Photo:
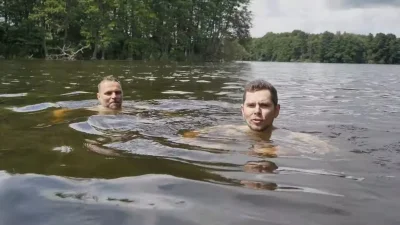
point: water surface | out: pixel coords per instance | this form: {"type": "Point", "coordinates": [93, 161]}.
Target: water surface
{"type": "Point", "coordinates": [76, 166]}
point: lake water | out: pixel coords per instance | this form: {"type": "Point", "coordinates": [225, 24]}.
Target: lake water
{"type": "Point", "coordinates": [77, 167]}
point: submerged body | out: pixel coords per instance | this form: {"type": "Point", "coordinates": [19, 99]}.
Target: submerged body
{"type": "Point", "coordinates": [110, 98]}
{"type": "Point", "coordinates": [281, 142]}
{"type": "Point", "coordinates": [59, 115]}
{"type": "Point", "coordinates": [260, 137]}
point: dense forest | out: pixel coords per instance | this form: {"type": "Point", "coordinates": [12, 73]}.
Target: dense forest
{"type": "Point", "coordinates": [123, 29]}
{"type": "Point", "coordinates": [205, 30]}
{"type": "Point", "coordinates": [298, 46]}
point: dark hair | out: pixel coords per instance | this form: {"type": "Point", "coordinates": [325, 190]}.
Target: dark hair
{"type": "Point", "coordinates": [258, 85]}
{"type": "Point", "coordinates": [108, 78]}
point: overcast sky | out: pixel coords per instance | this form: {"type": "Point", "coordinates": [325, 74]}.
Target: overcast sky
{"type": "Point", "coordinates": [316, 16]}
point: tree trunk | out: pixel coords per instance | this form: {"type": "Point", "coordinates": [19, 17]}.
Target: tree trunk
{"type": "Point", "coordinates": [96, 46]}
{"type": "Point", "coordinates": [65, 36]}
{"type": "Point", "coordinates": [103, 53]}
{"type": "Point", "coordinates": [44, 46]}
{"type": "Point", "coordinates": [94, 55]}
{"type": "Point", "coordinates": [44, 39]}
{"type": "Point", "coordinates": [66, 22]}
{"type": "Point", "coordinates": [5, 13]}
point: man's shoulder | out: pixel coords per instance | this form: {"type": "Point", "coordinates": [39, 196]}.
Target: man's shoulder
{"type": "Point", "coordinates": [60, 113]}
{"type": "Point", "coordinates": [218, 130]}
{"type": "Point", "coordinates": [320, 144]}
{"type": "Point", "coordinates": [225, 129]}
{"type": "Point", "coordinates": [101, 110]}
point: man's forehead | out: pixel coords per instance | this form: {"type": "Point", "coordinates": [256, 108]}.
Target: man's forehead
{"type": "Point", "coordinates": [106, 83]}
{"type": "Point", "coordinates": [262, 96]}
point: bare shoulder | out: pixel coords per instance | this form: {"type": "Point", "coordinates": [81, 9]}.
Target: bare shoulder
{"type": "Point", "coordinates": [62, 111]}
{"type": "Point", "coordinates": [58, 115]}
{"type": "Point", "coordinates": [220, 130]}
{"type": "Point", "coordinates": [102, 110]}
{"type": "Point", "coordinates": [306, 137]}
{"type": "Point", "coordinates": [322, 145]}
{"type": "Point", "coordinates": [96, 108]}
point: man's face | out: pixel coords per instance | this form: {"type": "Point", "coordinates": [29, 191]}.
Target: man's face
{"type": "Point", "coordinates": [110, 95]}
{"type": "Point", "coordinates": [259, 111]}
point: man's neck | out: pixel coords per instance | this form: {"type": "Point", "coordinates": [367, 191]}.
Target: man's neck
{"type": "Point", "coordinates": [265, 134]}
{"type": "Point", "coordinates": [106, 110]}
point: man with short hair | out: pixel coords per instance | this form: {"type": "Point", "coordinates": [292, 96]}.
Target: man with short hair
{"type": "Point", "coordinates": [259, 110]}
{"type": "Point", "coordinates": [260, 106]}
{"type": "Point", "coordinates": [110, 93]}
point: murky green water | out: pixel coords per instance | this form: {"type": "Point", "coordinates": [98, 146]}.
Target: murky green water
{"type": "Point", "coordinates": [76, 166]}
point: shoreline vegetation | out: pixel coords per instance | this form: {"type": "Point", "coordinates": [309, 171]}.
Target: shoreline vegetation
{"type": "Point", "coordinates": [327, 47]}
{"type": "Point", "coordinates": [165, 30]}
{"type": "Point", "coordinates": [122, 29]}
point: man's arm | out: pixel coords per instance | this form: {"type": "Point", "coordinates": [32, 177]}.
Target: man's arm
{"type": "Point", "coordinates": [59, 114]}
{"type": "Point", "coordinates": [321, 146]}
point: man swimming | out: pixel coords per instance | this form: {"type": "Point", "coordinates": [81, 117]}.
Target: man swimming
{"type": "Point", "coordinates": [259, 109]}
{"type": "Point", "coordinates": [109, 95]}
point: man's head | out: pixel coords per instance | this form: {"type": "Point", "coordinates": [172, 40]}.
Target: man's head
{"type": "Point", "coordinates": [110, 93]}
{"type": "Point", "coordinates": [260, 105]}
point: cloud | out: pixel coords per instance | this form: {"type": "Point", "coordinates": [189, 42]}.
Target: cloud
{"type": "Point", "coordinates": [317, 16]}
{"type": "Point", "coordinates": [365, 3]}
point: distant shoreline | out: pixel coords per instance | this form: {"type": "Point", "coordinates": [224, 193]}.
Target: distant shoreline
{"type": "Point", "coordinates": [188, 62]}
{"type": "Point", "coordinates": [327, 47]}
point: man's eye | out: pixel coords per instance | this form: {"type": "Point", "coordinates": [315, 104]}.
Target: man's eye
{"type": "Point", "coordinates": [264, 105]}
{"type": "Point", "coordinates": [107, 93]}
{"type": "Point", "coordinates": [251, 105]}
{"type": "Point", "coordinates": [117, 92]}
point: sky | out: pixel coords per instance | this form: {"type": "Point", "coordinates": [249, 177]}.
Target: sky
{"type": "Point", "coordinates": [317, 16]}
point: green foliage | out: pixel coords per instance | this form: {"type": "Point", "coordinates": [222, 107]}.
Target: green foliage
{"type": "Point", "coordinates": [326, 47]}
{"type": "Point", "coordinates": [125, 29]}
{"type": "Point", "coordinates": [208, 30]}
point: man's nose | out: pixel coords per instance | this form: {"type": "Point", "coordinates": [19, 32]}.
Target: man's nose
{"type": "Point", "coordinates": [257, 109]}
{"type": "Point", "coordinates": [113, 95]}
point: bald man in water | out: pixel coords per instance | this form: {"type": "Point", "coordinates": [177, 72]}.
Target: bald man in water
{"type": "Point", "coordinates": [109, 95]}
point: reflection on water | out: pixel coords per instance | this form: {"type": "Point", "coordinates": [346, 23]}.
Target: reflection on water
{"type": "Point", "coordinates": [12, 95]}
{"type": "Point", "coordinates": [178, 154]}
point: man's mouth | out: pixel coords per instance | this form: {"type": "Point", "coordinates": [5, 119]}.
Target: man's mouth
{"type": "Point", "coordinates": [114, 105]}
{"type": "Point", "coordinates": [256, 121]}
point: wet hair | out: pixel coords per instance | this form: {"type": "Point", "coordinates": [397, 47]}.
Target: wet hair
{"type": "Point", "coordinates": [107, 78]}
{"type": "Point", "coordinates": [259, 85]}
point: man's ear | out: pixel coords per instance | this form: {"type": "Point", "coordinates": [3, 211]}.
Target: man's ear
{"type": "Point", "coordinates": [277, 110]}
{"type": "Point", "coordinates": [98, 96]}
{"type": "Point", "coordinates": [242, 109]}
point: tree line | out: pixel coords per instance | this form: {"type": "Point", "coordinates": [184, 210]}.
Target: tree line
{"type": "Point", "coordinates": [206, 30]}
{"type": "Point", "coordinates": [123, 29]}
{"type": "Point", "coordinates": [327, 47]}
